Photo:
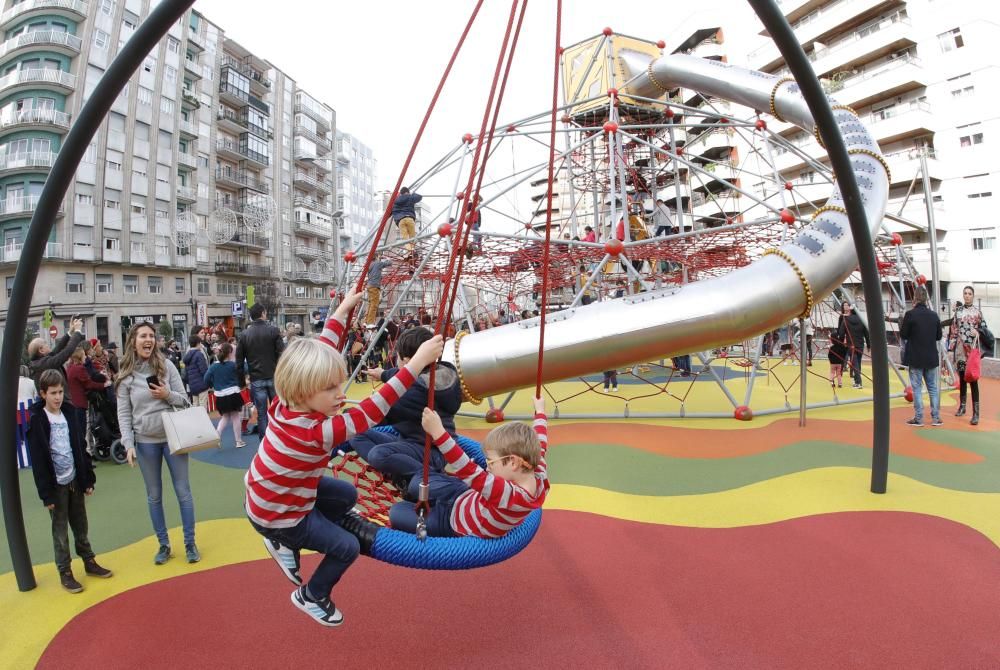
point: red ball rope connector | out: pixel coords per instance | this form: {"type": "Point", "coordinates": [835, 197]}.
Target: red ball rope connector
{"type": "Point", "coordinates": [444, 230]}
{"type": "Point", "coordinates": [333, 293]}
{"type": "Point", "coordinates": [608, 32]}
{"type": "Point", "coordinates": [566, 118]}
{"type": "Point", "coordinates": [743, 413]}
{"type": "Point", "coordinates": [669, 113]}
{"type": "Point", "coordinates": [761, 124]}
{"type": "Point", "coordinates": [788, 186]}
{"type": "Point", "coordinates": [897, 239]}
{"type": "Point", "coordinates": [610, 127]}
{"type": "Point", "coordinates": [660, 44]}
{"type": "Point", "coordinates": [494, 415]}
{"type": "Point", "coordinates": [612, 92]}
{"type": "Point", "coordinates": [512, 128]}
{"type": "Point", "coordinates": [467, 138]}
{"type": "Point", "coordinates": [787, 217]}
{"type": "Point", "coordinates": [350, 257]}
{"type": "Point", "coordinates": [614, 247]}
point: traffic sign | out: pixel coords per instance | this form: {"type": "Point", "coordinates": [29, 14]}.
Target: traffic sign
{"type": "Point", "coordinates": [53, 331]}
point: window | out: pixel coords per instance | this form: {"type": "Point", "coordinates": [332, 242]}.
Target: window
{"type": "Point", "coordinates": [144, 96]}
{"type": "Point", "coordinates": [173, 45]}
{"type": "Point", "coordinates": [114, 165]}
{"type": "Point", "coordinates": [203, 286]}
{"type": "Point", "coordinates": [155, 285]}
{"type": "Point", "coordinates": [201, 255]}
{"type": "Point", "coordinates": [227, 287]}
{"type": "Point", "coordinates": [131, 284]}
{"type": "Point", "coordinates": [963, 92]}
{"type": "Point", "coordinates": [950, 40]}
{"type": "Point", "coordinates": [111, 204]}
{"type": "Point", "coordinates": [74, 282]}
{"type": "Point", "coordinates": [984, 194]}
{"type": "Point", "coordinates": [179, 285]}
{"type": "Point", "coordinates": [85, 199]}
{"type": "Point", "coordinates": [969, 140]}
{"type": "Point", "coordinates": [10, 286]}
{"type": "Point", "coordinates": [983, 238]}
{"type": "Point", "coordinates": [138, 208]}
{"type": "Point", "coordinates": [107, 7]}
{"type": "Point", "coordinates": [112, 244]}
{"type": "Point", "coordinates": [167, 106]}
{"type": "Point", "coordinates": [101, 39]}
{"type": "Point", "coordinates": [104, 284]}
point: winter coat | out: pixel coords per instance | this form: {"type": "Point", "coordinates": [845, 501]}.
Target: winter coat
{"type": "Point", "coordinates": [39, 433]}
{"type": "Point", "coordinates": [405, 414]}
{"type": "Point", "coordinates": [405, 205]}
{"type": "Point", "coordinates": [195, 367]}
{"type": "Point", "coordinates": [63, 349]}
{"type": "Point", "coordinates": [921, 329]}
{"type": "Point", "coordinates": [259, 347]}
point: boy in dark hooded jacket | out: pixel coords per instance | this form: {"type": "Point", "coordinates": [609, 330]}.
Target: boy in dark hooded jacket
{"type": "Point", "coordinates": [400, 457]}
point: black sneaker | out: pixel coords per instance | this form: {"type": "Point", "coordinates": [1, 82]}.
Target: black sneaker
{"type": "Point", "coordinates": [324, 611]}
{"type": "Point", "coordinates": [91, 568]}
{"type": "Point", "coordinates": [286, 558]}
{"type": "Point", "coordinates": [937, 422]}
{"type": "Point", "coordinates": [914, 422]}
{"type": "Point", "coordinates": [69, 582]}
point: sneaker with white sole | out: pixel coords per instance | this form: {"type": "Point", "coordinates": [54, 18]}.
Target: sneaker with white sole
{"type": "Point", "coordinates": [937, 422]}
{"type": "Point", "coordinates": [286, 558]}
{"type": "Point", "coordinates": [324, 611]}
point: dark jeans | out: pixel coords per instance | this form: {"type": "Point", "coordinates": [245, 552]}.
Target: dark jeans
{"type": "Point", "coordinates": [319, 531]}
{"type": "Point", "coordinates": [856, 365]}
{"type": "Point", "coordinates": [963, 385]}
{"type": "Point", "coordinates": [610, 377]}
{"type": "Point", "coordinates": [682, 363]}
{"type": "Point", "coordinates": [392, 456]}
{"type": "Point", "coordinates": [261, 394]}
{"type": "Point", "coordinates": [443, 491]}
{"type": "Point", "coordinates": [70, 512]}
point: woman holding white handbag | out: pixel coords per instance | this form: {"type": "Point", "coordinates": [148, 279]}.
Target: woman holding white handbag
{"type": "Point", "coordinates": [147, 386]}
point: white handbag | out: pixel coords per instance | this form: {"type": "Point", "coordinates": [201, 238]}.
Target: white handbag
{"type": "Point", "coordinates": [189, 430]}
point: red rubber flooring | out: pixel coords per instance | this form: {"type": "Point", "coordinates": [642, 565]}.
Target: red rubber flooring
{"type": "Point", "coordinates": [831, 591]}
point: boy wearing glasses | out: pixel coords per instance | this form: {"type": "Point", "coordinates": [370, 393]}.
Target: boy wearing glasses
{"type": "Point", "coordinates": [470, 500]}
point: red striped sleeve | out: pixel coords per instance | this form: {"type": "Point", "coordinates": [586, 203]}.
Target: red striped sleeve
{"type": "Point", "coordinates": [368, 413]}
{"type": "Point", "coordinates": [333, 332]}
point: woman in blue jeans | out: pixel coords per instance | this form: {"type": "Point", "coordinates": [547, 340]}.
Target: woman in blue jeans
{"type": "Point", "coordinates": [141, 403]}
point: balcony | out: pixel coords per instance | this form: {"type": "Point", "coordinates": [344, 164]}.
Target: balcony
{"type": "Point", "coordinates": [196, 39]}
{"type": "Point", "coordinates": [248, 240]}
{"type": "Point", "coordinates": [888, 80]}
{"type": "Point", "coordinates": [904, 166]}
{"type": "Point", "coordinates": [23, 207]}
{"type": "Point", "coordinates": [192, 68]}
{"type": "Point", "coordinates": [240, 179]}
{"type": "Point", "coordinates": [84, 253]}
{"type": "Point", "coordinates": [244, 269]}
{"type": "Point", "coordinates": [35, 119]}
{"type": "Point", "coordinates": [58, 41]}
{"type": "Point", "coordinates": [316, 114]}
{"type": "Point", "coordinates": [238, 151]}
{"type": "Point", "coordinates": [186, 194]}
{"type": "Point", "coordinates": [75, 10]}
{"type": "Point", "coordinates": [714, 138]}
{"type": "Point", "coordinates": [306, 252]}
{"type": "Point", "coordinates": [58, 80]}
{"type": "Point", "coordinates": [188, 129]}
{"type": "Point", "coordinates": [310, 203]}
{"type": "Point", "coordinates": [809, 24]}
{"type": "Point", "coordinates": [189, 100]}
{"type": "Point", "coordinates": [322, 230]}
{"type": "Point", "coordinates": [305, 181]}
{"type": "Point", "coordinates": [232, 95]}
{"type": "Point", "coordinates": [258, 79]}
{"type": "Point", "coordinates": [34, 161]}
{"type": "Point", "coordinates": [187, 160]}
{"type": "Point", "coordinates": [876, 39]}
{"type": "Point", "coordinates": [323, 145]}
{"type": "Point", "coordinates": [312, 276]}
{"type": "Point", "coordinates": [901, 122]}
{"type": "Point", "coordinates": [11, 252]}
{"type": "Point", "coordinates": [185, 261]}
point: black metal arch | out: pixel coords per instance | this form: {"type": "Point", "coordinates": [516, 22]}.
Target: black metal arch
{"type": "Point", "coordinates": [127, 62]}
{"type": "Point", "coordinates": [87, 122]}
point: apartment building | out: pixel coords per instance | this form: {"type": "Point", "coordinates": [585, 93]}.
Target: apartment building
{"type": "Point", "coordinates": [921, 75]}
{"type": "Point", "coordinates": [206, 182]}
{"type": "Point", "coordinates": [356, 200]}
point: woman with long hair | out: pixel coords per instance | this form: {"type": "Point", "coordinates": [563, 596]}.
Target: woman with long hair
{"type": "Point", "coordinates": [964, 335]}
{"type": "Point", "coordinates": [148, 385]}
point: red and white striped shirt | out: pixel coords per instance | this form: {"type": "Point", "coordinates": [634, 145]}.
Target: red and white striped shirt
{"type": "Point", "coordinates": [492, 505]}
{"type": "Point", "coordinates": [282, 479]}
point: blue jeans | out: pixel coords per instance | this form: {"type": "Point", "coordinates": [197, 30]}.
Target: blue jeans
{"type": "Point", "coordinates": [319, 531]}
{"type": "Point", "coordinates": [917, 377]}
{"type": "Point", "coordinates": [151, 456]}
{"type": "Point", "coordinates": [443, 491]}
{"type": "Point", "coordinates": [392, 456]}
{"type": "Point", "coordinates": [261, 394]}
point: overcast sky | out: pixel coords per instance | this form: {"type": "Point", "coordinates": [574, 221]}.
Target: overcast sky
{"type": "Point", "coordinates": [377, 62]}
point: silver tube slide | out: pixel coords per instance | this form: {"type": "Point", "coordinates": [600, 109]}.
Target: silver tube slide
{"type": "Point", "coordinates": [703, 315]}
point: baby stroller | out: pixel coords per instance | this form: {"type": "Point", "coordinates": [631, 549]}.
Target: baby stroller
{"type": "Point", "coordinates": [103, 434]}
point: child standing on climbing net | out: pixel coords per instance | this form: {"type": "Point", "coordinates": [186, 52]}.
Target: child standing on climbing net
{"type": "Point", "coordinates": [288, 499]}
{"type": "Point", "coordinates": [483, 503]}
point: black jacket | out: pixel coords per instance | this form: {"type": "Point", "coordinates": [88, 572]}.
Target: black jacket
{"type": "Point", "coordinates": [853, 332]}
{"type": "Point", "coordinates": [259, 346]}
{"type": "Point", "coordinates": [44, 472]}
{"type": "Point", "coordinates": [63, 349]}
{"type": "Point", "coordinates": [921, 328]}
{"type": "Point", "coordinates": [405, 414]}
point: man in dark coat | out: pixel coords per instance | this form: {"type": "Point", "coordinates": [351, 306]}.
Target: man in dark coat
{"type": "Point", "coordinates": [257, 351]}
{"type": "Point", "coordinates": [41, 358]}
{"type": "Point", "coordinates": [921, 331]}
{"type": "Point", "coordinates": [854, 333]}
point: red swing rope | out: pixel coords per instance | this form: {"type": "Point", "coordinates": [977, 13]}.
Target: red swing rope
{"type": "Point", "coordinates": [413, 148]}
{"type": "Point", "coordinates": [548, 212]}
{"type": "Point", "coordinates": [422, 505]}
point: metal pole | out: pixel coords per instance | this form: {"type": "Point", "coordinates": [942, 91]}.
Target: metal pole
{"type": "Point", "coordinates": [800, 67]}
{"type": "Point", "coordinates": [931, 230]}
{"type": "Point", "coordinates": [803, 357]}
{"type": "Point", "coordinates": [60, 177]}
